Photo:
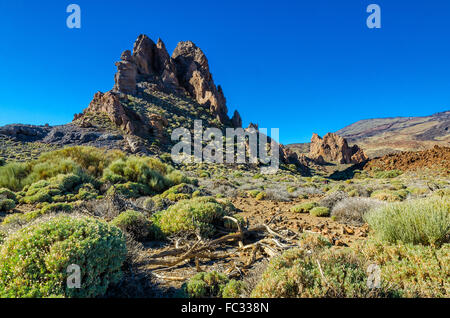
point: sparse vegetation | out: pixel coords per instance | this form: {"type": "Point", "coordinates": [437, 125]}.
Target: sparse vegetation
{"type": "Point", "coordinates": [304, 207]}
{"type": "Point", "coordinates": [352, 210]}
{"type": "Point", "coordinates": [421, 221]}
{"type": "Point", "coordinates": [298, 273]}
{"type": "Point", "coordinates": [320, 211]}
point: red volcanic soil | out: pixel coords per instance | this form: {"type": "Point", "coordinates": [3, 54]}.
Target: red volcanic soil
{"type": "Point", "coordinates": [437, 158]}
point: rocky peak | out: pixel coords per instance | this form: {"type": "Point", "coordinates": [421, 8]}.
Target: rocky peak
{"type": "Point", "coordinates": [334, 148]}
{"type": "Point", "coordinates": [194, 75]}
{"type": "Point", "coordinates": [143, 54]}
{"type": "Point", "coordinates": [187, 71]}
{"type": "Point", "coordinates": [236, 120]}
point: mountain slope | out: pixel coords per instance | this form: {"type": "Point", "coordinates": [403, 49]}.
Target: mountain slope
{"type": "Point", "coordinates": [386, 135]}
{"type": "Point", "coordinates": [154, 93]}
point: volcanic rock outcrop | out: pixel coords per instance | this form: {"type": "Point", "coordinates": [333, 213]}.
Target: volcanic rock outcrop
{"type": "Point", "coordinates": [186, 72]}
{"type": "Point", "coordinates": [236, 120]}
{"type": "Point", "coordinates": [334, 148]}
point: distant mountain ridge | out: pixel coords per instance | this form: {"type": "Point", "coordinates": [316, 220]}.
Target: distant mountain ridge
{"type": "Point", "coordinates": [381, 136]}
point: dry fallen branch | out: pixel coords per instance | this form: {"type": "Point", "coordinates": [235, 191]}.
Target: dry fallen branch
{"type": "Point", "coordinates": [196, 251]}
{"type": "Point", "coordinates": [175, 278]}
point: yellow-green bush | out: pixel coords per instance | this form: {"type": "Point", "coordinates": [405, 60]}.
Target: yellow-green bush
{"type": "Point", "coordinates": [34, 260]}
{"type": "Point", "coordinates": [200, 213]}
{"type": "Point", "coordinates": [179, 192]}
{"type": "Point", "coordinates": [47, 208]}
{"type": "Point", "coordinates": [7, 205]}
{"type": "Point", "coordinates": [389, 174]}
{"type": "Point", "coordinates": [261, 196]}
{"type": "Point", "coordinates": [63, 187]}
{"type": "Point", "coordinates": [420, 221]}
{"type": "Point", "coordinates": [304, 207]}
{"type": "Point", "coordinates": [77, 160]}
{"type": "Point", "coordinates": [320, 211]}
{"type": "Point", "coordinates": [212, 284]}
{"type": "Point", "coordinates": [143, 176]}
{"type": "Point", "coordinates": [298, 273]}
{"type": "Point", "coordinates": [414, 270]}
{"type": "Point", "coordinates": [233, 289]}
{"type": "Point", "coordinates": [134, 223]}
{"type": "Point", "coordinates": [389, 195]}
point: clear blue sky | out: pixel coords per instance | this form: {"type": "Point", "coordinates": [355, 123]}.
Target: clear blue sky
{"type": "Point", "coordinates": [301, 66]}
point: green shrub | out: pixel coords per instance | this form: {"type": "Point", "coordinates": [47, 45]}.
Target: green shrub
{"type": "Point", "coordinates": [87, 192]}
{"type": "Point", "coordinates": [133, 222]}
{"type": "Point", "coordinates": [142, 175]}
{"type": "Point", "coordinates": [7, 194]}
{"type": "Point", "coordinates": [157, 203]}
{"type": "Point", "coordinates": [130, 190]}
{"type": "Point", "coordinates": [291, 189]}
{"type": "Point", "coordinates": [2, 162]}
{"type": "Point", "coordinates": [261, 196]}
{"type": "Point", "coordinates": [414, 270]}
{"type": "Point", "coordinates": [314, 242]}
{"type": "Point", "coordinates": [326, 273]}
{"type": "Point", "coordinates": [389, 196]}
{"type": "Point", "coordinates": [20, 218]}
{"type": "Point", "coordinates": [253, 193]}
{"type": "Point", "coordinates": [204, 285]}
{"type": "Point", "coordinates": [304, 207]}
{"type": "Point", "coordinates": [387, 174]}
{"type": "Point", "coordinates": [7, 205]}
{"type": "Point", "coordinates": [12, 176]}
{"type": "Point", "coordinates": [320, 211]}
{"type": "Point", "coordinates": [233, 289]}
{"type": "Point", "coordinates": [54, 188]}
{"type": "Point", "coordinates": [80, 161]}
{"type": "Point", "coordinates": [91, 159]}
{"type": "Point", "coordinates": [179, 192]}
{"type": "Point", "coordinates": [50, 247]}
{"type": "Point", "coordinates": [420, 221]}
{"type": "Point", "coordinates": [189, 215]}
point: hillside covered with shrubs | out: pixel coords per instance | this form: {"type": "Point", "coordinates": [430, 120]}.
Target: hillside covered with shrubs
{"type": "Point", "coordinates": [138, 226]}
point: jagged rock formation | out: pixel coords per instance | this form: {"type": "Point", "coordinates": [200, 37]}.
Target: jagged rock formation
{"type": "Point", "coordinates": [236, 120]}
{"type": "Point", "coordinates": [194, 75]}
{"type": "Point", "coordinates": [154, 93]}
{"type": "Point", "coordinates": [334, 148]}
{"type": "Point", "coordinates": [187, 71]}
{"type": "Point", "coordinates": [125, 77]}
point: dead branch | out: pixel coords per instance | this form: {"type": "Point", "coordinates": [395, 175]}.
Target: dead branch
{"type": "Point", "coordinates": [241, 241]}
{"type": "Point", "coordinates": [175, 278]}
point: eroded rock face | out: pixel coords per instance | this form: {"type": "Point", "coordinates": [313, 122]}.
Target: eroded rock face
{"type": "Point", "coordinates": [187, 71]}
{"type": "Point", "coordinates": [334, 148]}
{"type": "Point", "coordinates": [109, 103]}
{"type": "Point", "coordinates": [236, 120]}
{"type": "Point", "coordinates": [194, 75]}
{"type": "Point", "coordinates": [143, 54]}
{"type": "Point", "coordinates": [127, 119]}
{"type": "Point", "coordinates": [125, 78]}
